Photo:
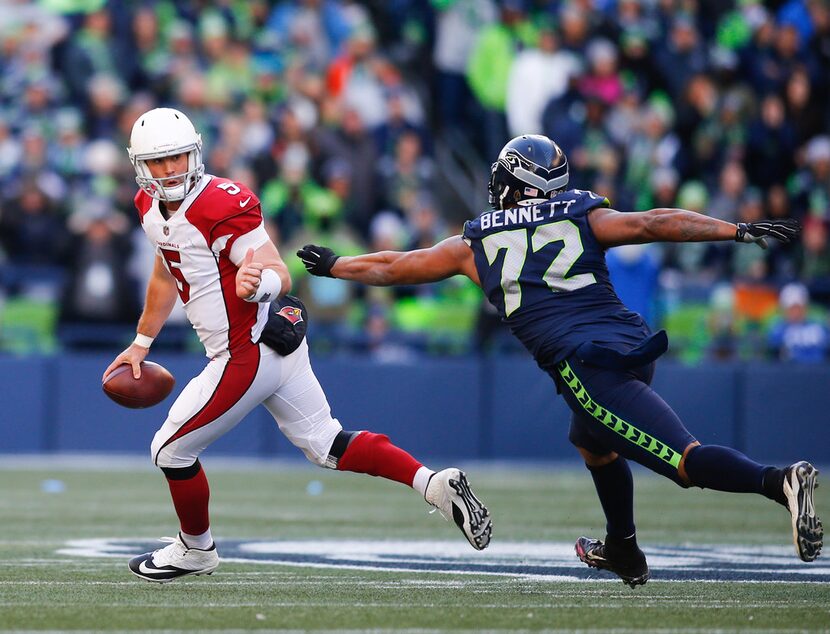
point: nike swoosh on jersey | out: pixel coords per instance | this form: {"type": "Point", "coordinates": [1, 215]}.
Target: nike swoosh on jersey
{"type": "Point", "coordinates": [242, 203]}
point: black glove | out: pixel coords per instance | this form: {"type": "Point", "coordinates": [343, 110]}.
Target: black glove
{"type": "Point", "coordinates": [757, 232]}
{"type": "Point", "coordinates": [317, 260]}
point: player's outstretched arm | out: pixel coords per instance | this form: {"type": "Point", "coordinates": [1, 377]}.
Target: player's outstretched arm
{"type": "Point", "coordinates": [158, 302]}
{"type": "Point", "coordinates": [613, 228]}
{"type": "Point", "coordinates": [386, 268]}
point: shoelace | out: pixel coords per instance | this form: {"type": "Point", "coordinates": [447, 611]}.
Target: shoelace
{"type": "Point", "coordinates": [176, 549]}
{"type": "Point", "coordinates": [440, 512]}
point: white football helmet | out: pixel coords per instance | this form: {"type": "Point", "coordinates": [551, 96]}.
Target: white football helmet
{"type": "Point", "coordinates": [166, 132]}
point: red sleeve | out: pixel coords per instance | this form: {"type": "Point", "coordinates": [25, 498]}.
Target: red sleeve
{"type": "Point", "coordinates": [245, 217]}
{"type": "Point", "coordinates": [224, 211]}
{"type": "Point", "coordinates": [143, 202]}
{"type": "Point", "coordinates": [237, 226]}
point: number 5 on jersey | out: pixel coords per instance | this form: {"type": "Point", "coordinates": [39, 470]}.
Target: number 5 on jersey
{"type": "Point", "coordinates": [233, 190]}
{"type": "Point", "coordinates": [174, 264]}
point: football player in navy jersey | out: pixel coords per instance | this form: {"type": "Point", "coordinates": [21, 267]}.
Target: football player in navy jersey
{"type": "Point", "coordinates": [539, 256]}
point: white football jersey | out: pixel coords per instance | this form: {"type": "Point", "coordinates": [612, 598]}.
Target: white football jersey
{"type": "Point", "coordinates": [202, 244]}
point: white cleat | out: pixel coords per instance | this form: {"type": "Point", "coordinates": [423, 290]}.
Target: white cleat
{"type": "Point", "coordinates": [450, 493]}
{"type": "Point", "coordinates": [808, 535]}
{"type": "Point", "coordinates": [173, 561]}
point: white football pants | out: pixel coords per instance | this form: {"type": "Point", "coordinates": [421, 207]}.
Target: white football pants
{"type": "Point", "coordinates": [229, 387]}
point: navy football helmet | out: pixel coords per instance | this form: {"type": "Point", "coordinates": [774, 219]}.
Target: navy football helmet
{"type": "Point", "coordinates": [529, 167]}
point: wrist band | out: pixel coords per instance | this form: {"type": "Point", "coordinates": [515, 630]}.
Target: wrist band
{"type": "Point", "coordinates": [269, 287]}
{"type": "Point", "coordinates": [143, 340]}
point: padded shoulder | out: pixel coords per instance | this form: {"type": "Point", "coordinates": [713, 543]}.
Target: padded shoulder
{"type": "Point", "coordinates": [143, 202]}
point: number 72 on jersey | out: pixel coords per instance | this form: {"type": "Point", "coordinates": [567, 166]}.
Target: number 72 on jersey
{"type": "Point", "coordinates": [515, 243]}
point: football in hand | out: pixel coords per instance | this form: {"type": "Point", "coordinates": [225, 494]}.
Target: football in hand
{"type": "Point", "coordinates": [150, 389]}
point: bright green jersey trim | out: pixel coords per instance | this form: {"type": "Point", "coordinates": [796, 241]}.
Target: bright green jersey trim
{"type": "Point", "coordinates": [615, 423]}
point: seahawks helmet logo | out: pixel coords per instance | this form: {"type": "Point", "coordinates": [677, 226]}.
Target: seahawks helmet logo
{"type": "Point", "coordinates": [527, 163]}
{"type": "Point", "coordinates": [534, 174]}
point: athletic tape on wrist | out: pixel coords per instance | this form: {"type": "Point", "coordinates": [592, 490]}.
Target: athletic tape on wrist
{"type": "Point", "coordinates": [269, 287]}
{"type": "Point", "coordinates": [143, 340]}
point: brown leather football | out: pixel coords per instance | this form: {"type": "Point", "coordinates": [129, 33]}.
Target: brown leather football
{"type": "Point", "coordinates": [150, 389]}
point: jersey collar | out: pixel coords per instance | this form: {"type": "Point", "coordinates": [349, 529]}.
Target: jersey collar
{"type": "Point", "coordinates": [188, 201]}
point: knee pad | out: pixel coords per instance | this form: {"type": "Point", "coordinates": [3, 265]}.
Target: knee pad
{"type": "Point", "coordinates": [317, 439]}
{"type": "Point", "coordinates": [169, 456]}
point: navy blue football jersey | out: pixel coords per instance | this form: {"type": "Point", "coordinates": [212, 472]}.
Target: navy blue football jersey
{"type": "Point", "coordinates": [543, 269]}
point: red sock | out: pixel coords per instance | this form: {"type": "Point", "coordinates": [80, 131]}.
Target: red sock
{"type": "Point", "coordinates": [191, 497]}
{"type": "Point", "coordinates": [374, 454]}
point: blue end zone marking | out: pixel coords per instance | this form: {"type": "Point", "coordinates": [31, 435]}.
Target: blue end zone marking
{"type": "Point", "coordinates": [539, 561]}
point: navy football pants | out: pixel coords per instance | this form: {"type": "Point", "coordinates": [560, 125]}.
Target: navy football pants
{"type": "Point", "coordinates": [616, 410]}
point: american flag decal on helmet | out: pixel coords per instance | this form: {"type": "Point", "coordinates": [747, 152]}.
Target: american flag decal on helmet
{"type": "Point", "coordinates": [291, 313]}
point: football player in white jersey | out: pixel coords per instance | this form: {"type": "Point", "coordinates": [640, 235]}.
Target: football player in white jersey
{"type": "Point", "coordinates": [212, 251]}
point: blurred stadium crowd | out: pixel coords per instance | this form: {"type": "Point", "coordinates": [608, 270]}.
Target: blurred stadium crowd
{"type": "Point", "coordinates": [371, 125]}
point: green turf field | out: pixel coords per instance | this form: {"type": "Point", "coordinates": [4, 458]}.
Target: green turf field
{"type": "Point", "coordinates": [306, 549]}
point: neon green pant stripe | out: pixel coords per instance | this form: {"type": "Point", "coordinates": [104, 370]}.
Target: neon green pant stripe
{"type": "Point", "coordinates": [615, 423]}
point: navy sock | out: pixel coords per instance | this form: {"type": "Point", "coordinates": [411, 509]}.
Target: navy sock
{"type": "Point", "coordinates": [615, 488]}
{"type": "Point", "coordinates": [724, 469]}
{"type": "Point", "coordinates": [774, 485]}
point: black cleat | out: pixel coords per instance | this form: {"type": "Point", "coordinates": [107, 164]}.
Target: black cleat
{"type": "Point", "coordinates": [800, 480]}
{"type": "Point", "coordinates": [630, 566]}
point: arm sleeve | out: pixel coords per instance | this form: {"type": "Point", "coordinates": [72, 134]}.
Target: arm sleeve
{"type": "Point", "coordinates": [251, 240]}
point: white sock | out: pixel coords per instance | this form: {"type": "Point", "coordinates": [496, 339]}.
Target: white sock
{"type": "Point", "coordinates": [421, 479]}
{"type": "Point", "coordinates": [202, 542]}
